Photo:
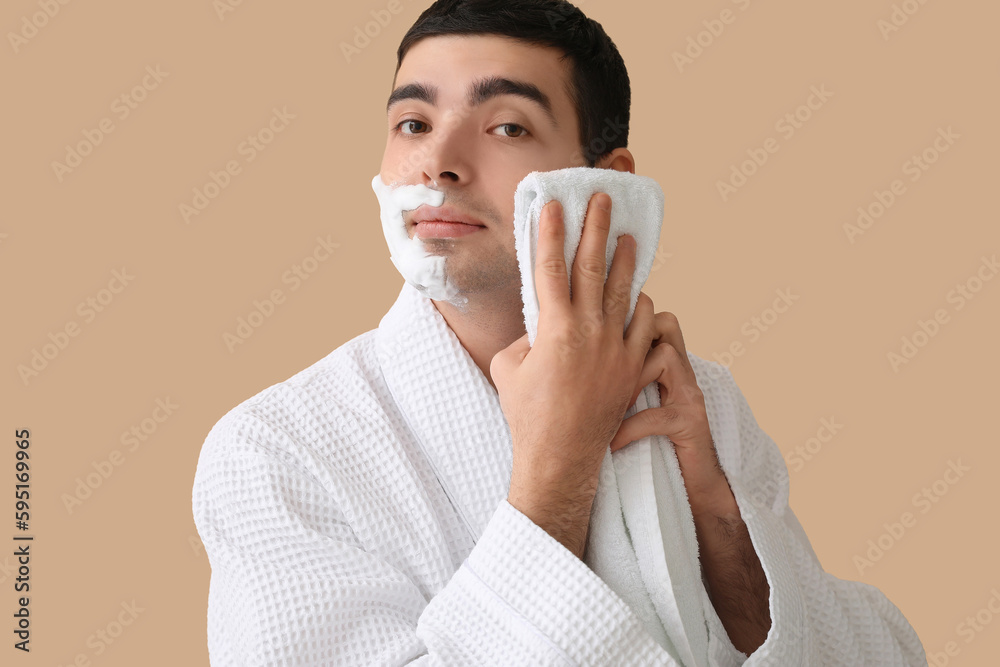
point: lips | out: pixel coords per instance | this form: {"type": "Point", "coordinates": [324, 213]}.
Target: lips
{"type": "Point", "coordinates": [444, 214]}
{"type": "Point", "coordinates": [444, 229]}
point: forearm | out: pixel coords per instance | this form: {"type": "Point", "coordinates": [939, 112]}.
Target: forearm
{"type": "Point", "coordinates": [560, 509]}
{"type": "Point", "coordinates": [737, 585]}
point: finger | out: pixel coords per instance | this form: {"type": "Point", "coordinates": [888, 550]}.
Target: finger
{"type": "Point", "coordinates": [669, 331]}
{"type": "Point", "coordinates": [641, 424]}
{"type": "Point", "coordinates": [664, 366]}
{"type": "Point", "coordinates": [551, 279]}
{"type": "Point", "coordinates": [642, 328]}
{"type": "Point", "coordinates": [590, 264]}
{"type": "Point", "coordinates": [618, 290]}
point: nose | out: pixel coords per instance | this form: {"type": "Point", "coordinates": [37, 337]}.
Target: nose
{"type": "Point", "coordinates": [446, 154]}
{"type": "Point", "coordinates": [446, 176]}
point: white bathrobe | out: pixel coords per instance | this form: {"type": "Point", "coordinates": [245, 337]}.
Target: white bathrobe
{"type": "Point", "coordinates": [356, 514]}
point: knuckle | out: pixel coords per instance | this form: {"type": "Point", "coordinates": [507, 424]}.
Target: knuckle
{"type": "Point", "coordinates": [647, 333]}
{"type": "Point", "coordinates": [553, 266]}
{"type": "Point", "coordinates": [570, 336]}
{"type": "Point", "coordinates": [565, 344]}
{"type": "Point", "coordinates": [663, 355]}
{"type": "Point", "coordinates": [592, 267]}
{"type": "Point", "coordinates": [562, 332]}
{"type": "Point", "coordinates": [589, 327]}
{"type": "Point", "coordinates": [668, 318]}
{"type": "Point", "coordinates": [670, 353]}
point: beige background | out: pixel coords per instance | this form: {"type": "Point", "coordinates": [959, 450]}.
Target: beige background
{"type": "Point", "coordinates": [133, 538]}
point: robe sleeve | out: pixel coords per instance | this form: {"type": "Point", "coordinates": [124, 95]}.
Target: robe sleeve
{"type": "Point", "coordinates": [817, 619]}
{"type": "Point", "coordinates": [291, 585]}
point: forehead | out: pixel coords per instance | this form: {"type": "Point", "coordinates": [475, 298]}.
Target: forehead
{"type": "Point", "coordinates": [452, 63]}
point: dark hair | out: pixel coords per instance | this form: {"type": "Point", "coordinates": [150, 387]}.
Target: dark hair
{"type": "Point", "coordinates": [599, 85]}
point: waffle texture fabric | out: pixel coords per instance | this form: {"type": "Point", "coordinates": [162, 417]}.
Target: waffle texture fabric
{"type": "Point", "coordinates": [356, 514]}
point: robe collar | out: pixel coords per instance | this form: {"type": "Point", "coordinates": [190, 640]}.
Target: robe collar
{"type": "Point", "coordinates": [455, 416]}
{"type": "Point", "coordinates": [449, 405]}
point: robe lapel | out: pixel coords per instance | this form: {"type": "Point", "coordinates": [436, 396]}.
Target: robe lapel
{"type": "Point", "coordinates": [449, 405]}
{"type": "Point", "coordinates": [454, 414]}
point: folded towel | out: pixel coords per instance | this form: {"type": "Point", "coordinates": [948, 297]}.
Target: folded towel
{"type": "Point", "coordinates": [637, 209]}
{"type": "Point", "coordinates": [642, 540]}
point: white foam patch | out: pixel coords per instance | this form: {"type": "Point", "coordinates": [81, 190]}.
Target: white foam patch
{"type": "Point", "coordinates": [423, 270]}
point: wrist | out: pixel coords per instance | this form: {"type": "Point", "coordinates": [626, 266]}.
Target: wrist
{"type": "Point", "coordinates": [562, 512]}
{"type": "Point", "coordinates": [715, 507]}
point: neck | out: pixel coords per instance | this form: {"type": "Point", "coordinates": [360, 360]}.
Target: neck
{"type": "Point", "coordinates": [487, 324]}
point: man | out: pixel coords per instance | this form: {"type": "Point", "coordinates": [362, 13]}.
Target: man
{"type": "Point", "coordinates": [423, 493]}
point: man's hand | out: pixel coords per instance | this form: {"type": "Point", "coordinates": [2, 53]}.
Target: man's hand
{"type": "Point", "coordinates": [737, 584]}
{"type": "Point", "coordinates": [681, 416]}
{"type": "Point", "coordinates": [564, 398]}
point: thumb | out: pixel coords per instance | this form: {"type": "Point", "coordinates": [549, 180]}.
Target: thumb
{"type": "Point", "coordinates": [509, 357]}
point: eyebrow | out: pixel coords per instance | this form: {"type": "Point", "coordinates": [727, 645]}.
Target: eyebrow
{"type": "Point", "coordinates": [480, 91]}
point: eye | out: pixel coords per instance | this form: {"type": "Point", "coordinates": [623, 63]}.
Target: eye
{"type": "Point", "coordinates": [503, 126]}
{"type": "Point", "coordinates": [508, 136]}
{"type": "Point", "coordinates": [405, 122]}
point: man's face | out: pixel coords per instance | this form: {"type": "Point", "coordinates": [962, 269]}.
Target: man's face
{"type": "Point", "coordinates": [477, 151]}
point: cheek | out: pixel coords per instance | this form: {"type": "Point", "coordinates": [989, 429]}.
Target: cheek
{"type": "Point", "coordinates": [504, 197]}
{"type": "Point", "coordinates": [396, 165]}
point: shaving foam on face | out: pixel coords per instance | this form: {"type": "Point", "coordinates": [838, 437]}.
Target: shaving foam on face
{"type": "Point", "coordinates": [421, 269]}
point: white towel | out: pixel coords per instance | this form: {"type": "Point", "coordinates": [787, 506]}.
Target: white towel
{"type": "Point", "coordinates": [642, 540]}
{"type": "Point", "coordinates": [637, 209]}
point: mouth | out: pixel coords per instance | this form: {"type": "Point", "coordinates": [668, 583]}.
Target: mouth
{"type": "Point", "coordinates": [444, 222]}
{"type": "Point", "coordinates": [444, 229]}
